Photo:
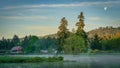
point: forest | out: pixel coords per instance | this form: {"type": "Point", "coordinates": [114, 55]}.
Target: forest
{"type": "Point", "coordinates": [101, 40]}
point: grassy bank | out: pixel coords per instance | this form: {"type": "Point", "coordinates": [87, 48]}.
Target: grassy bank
{"type": "Point", "coordinates": [7, 59]}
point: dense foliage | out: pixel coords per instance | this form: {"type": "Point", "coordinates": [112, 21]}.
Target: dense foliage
{"type": "Point", "coordinates": [62, 34]}
{"type": "Point", "coordinates": [74, 45]}
{"type": "Point", "coordinates": [111, 44]}
{"type": "Point", "coordinates": [95, 43]}
{"type": "Point", "coordinates": [76, 42]}
{"type": "Point", "coordinates": [30, 44]}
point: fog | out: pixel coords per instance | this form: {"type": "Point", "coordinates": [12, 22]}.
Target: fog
{"type": "Point", "coordinates": [71, 61]}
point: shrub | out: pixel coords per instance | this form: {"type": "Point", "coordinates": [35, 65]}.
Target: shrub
{"type": "Point", "coordinates": [29, 59]}
{"type": "Point", "coordinates": [95, 51]}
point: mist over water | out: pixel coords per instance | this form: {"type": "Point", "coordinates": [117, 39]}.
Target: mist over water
{"type": "Point", "coordinates": [71, 61]}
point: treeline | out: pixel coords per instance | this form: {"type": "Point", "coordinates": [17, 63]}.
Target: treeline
{"type": "Point", "coordinates": [29, 44]}
{"type": "Point", "coordinates": [105, 39]}
{"type": "Point", "coordinates": [107, 32]}
{"type": "Point", "coordinates": [105, 45]}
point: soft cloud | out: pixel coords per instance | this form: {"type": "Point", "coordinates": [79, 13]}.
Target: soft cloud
{"type": "Point", "coordinates": [80, 4]}
{"type": "Point", "coordinates": [27, 17]}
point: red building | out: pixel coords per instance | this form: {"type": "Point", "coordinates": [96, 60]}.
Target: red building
{"type": "Point", "coordinates": [16, 49]}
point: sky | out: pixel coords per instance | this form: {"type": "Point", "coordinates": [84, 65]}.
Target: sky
{"type": "Point", "coordinates": [42, 17]}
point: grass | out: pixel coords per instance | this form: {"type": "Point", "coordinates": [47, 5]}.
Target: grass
{"type": "Point", "coordinates": [9, 59]}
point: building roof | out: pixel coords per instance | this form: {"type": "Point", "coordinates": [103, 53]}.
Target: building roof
{"type": "Point", "coordinates": [17, 48]}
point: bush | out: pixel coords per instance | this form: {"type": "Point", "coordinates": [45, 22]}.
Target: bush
{"type": "Point", "coordinates": [29, 59]}
{"type": "Point", "coordinates": [95, 51]}
{"type": "Point", "coordinates": [53, 59]}
{"type": "Point", "coordinates": [60, 58]}
{"type": "Point", "coordinates": [75, 44]}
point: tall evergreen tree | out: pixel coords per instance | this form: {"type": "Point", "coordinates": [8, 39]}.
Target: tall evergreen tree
{"type": "Point", "coordinates": [96, 43]}
{"type": "Point", "coordinates": [62, 34]}
{"type": "Point", "coordinates": [25, 41]}
{"type": "Point", "coordinates": [15, 40]}
{"type": "Point", "coordinates": [4, 43]}
{"type": "Point", "coordinates": [80, 29]}
{"type": "Point", "coordinates": [80, 26]}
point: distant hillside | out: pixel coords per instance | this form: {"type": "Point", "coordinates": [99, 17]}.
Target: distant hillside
{"type": "Point", "coordinates": [50, 35]}
{"type": "Point", "coordinates": [102, 32]}
{"type": "Point", "coordinates": [105, 32]}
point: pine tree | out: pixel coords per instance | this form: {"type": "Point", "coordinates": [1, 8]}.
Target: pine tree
{"type": "Point", "coordinates": [4, 43]}
{"type": "Point", "coordinates": [62, 34]}
{"type": "Point", "coordinates": [96, 43]}
{"type": "Point", "coordinates": [80, 29]}
{"type": "Point", "coordinates": [80, 26]}
{"type": "Point", "coordinates": [15, 40]}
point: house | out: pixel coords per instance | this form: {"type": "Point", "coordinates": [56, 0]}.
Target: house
{"type": "Point", "coordinates": [16, 49]}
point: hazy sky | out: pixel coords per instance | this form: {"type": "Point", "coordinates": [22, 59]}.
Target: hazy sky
{"type": "Point", "coordinates": [42, 17]}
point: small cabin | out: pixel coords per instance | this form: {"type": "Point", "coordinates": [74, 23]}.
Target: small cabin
{"type": "Point", "coordinates": [16, 49]}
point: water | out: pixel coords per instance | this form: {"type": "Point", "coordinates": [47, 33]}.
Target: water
{"type": "Point", "coordinates": [71, 61]}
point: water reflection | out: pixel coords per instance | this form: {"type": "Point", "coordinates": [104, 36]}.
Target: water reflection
{"type": "Point", "coordinates": [59, 65]}
{"type": "Point", "coordinates": [92, 61]}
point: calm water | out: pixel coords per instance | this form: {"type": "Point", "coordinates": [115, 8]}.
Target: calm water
{"type": "Point", "coordinates": [78, 61]}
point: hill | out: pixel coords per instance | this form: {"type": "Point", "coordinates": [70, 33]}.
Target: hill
{"type": "Point", "coordinates": [49, 36]}
{"type": "Point", "coordinates": [105, 32]}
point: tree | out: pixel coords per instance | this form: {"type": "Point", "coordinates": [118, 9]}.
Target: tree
{"type": "Point", "coordinates": [4, 43]}
{"type": "Point", "coordinates": [74, 45]}
{"type": "Point", "coordinates": [31, 44]}
{"type": "Point", "coordinates": [80, 29]}
{"type": "Point", "coordinates": [96, 43]}
{"type": "Point", "coordinates": [80, 26]}
{"type": "Point", "coordinates": [62, 34]}
{"type": "Point", "coordinates": [25, 43]}
{"type": "Point", "coordinates": [15, 40]}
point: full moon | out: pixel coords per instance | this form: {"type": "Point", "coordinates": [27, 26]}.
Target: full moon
{"type": "Point", "coordinates": [105, 8]}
